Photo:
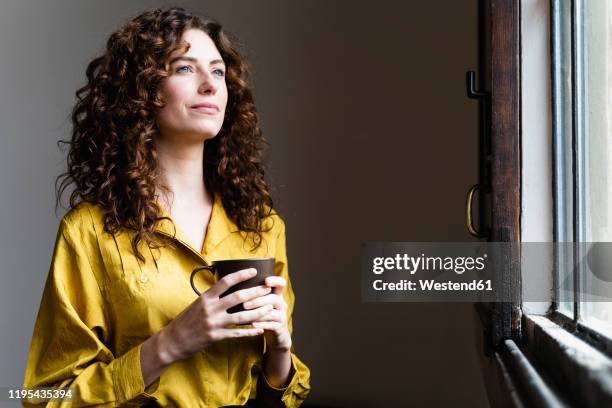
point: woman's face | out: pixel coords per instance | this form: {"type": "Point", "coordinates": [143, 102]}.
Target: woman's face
{"type": "Point", "coordinates": [195, 92]}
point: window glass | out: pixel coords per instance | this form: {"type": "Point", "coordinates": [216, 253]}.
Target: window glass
{"type": "Point", "coordinates": [594, 191]}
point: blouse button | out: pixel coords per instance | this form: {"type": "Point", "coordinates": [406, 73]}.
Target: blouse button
{"type": "Point", "coordinates": [144, 278]}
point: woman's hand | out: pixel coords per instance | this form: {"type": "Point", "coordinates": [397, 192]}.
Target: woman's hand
{"type": "Point", "coordinates": [205, 321]}
{"type": "Point", "coordinates": [274, 322]}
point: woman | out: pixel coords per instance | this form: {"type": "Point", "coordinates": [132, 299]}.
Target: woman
{"type": "Point", "coordinates": [165, 162]}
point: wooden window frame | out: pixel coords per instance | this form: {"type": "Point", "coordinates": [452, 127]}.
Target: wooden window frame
{"type": "Point", "coordinates": [527, 360]}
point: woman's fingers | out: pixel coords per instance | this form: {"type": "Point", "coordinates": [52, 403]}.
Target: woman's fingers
{"type": "Point", "coordinates": [242, 296]}
{"type": "Point", "coordinates": [247, 316]}
{"type": "Point", "coordinates": [277, 283]}
{"type": "Point", "coordinates": [272, 299]}
{"type": "Point", "coordinates": [276, 316]}
{"type": "Point", "coordinates": [230, 280]}
{"type": "Point", "coordinates": [267, 325]}
{"type": "Point", "coordinates": [235, 333]}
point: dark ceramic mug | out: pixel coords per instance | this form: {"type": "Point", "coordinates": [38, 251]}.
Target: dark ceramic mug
{"type": "Point", "coordinates": [264, 267]}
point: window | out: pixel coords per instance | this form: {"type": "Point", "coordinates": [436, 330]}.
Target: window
{"type": "Point", "coordinates": [582, 64]}
{"type": "Point", "coordinates": [555, 352]}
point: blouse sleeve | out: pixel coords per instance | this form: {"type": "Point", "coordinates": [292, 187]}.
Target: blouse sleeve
{"type": "Point", "coordinates": [294, 394]}
{"type": "Point", "coordinates": [68, 347]}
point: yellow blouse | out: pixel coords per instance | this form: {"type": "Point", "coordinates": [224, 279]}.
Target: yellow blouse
{"type": "Point", "coordinates": [100, 303]}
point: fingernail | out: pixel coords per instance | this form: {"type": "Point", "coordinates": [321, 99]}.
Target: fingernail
{"type": "Point", "coordinates": [252, 271]}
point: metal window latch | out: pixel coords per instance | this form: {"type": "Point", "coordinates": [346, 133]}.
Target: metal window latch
{"type": "Point", "coordinates": [470, 84]}
{"type": "Point", "coordinates": [472, 93]}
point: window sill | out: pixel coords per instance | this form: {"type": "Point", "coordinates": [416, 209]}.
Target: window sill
{"type": "Point", "coordinates": [578, 368]}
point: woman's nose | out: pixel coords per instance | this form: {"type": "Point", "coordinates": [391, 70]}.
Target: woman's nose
{"type": "Point", "coordinates": [207, 85]}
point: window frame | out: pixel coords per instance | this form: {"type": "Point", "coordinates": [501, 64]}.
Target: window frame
{"type": "Point", "coordinates": [577, 212]}
{"type": "Point", "coordinates": [501, 21]}
{"type": "Point", "coordinates": [529, 358]}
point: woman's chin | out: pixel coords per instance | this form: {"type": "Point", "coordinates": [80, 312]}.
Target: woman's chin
{"type": "Point", "coordinates": [205, 133]}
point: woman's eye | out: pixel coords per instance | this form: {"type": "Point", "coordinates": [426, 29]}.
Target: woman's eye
{"type": "Point", "coordinates": [179, 69]}
{"type": "Point", "coordinates": [219, 72]}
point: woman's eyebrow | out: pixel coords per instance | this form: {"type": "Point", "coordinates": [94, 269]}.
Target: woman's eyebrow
{"type": "Point", "coordinates": [195, 60]}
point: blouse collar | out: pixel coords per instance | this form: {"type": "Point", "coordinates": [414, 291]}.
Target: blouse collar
{"type": "Point", "coordinates": [219, 227]}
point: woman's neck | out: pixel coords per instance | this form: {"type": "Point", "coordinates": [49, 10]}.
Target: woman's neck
{"type": "Point", "coordinates": [183, 173]}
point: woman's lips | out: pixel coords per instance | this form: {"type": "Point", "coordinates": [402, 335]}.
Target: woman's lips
{"type": "Point", "coordinates": [208, 109]}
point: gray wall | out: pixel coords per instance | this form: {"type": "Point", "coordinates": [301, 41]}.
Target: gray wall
{"type": "Point", "coordinates": [372, 138]}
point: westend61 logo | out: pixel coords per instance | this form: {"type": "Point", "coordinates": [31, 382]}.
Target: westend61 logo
{"type": "Point", "coordinates": [412, 264]}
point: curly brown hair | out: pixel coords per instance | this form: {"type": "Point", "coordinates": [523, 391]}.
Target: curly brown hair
{"type": "Point", "coordinates": [112, 159]}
